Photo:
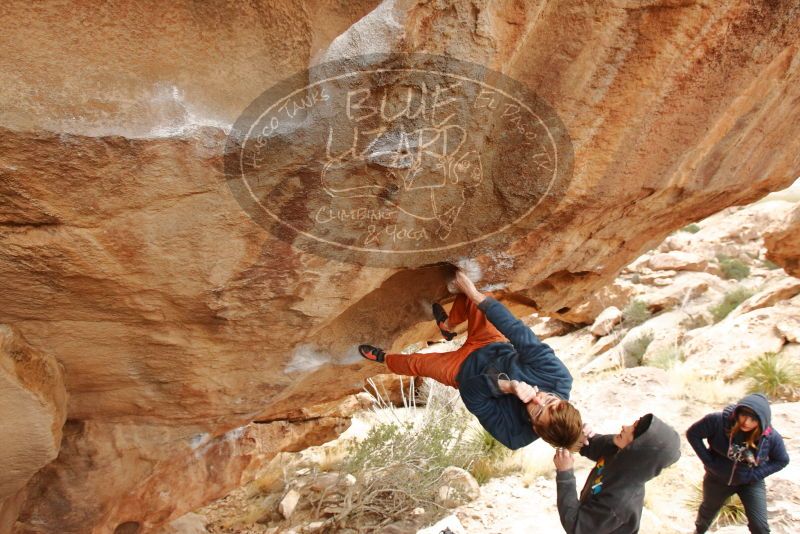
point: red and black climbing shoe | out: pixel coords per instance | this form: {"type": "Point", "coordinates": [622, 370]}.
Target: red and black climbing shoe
{"type": "Point", "coordinates": [372, 353]}
{"type": "Point", "coordinates": [441, 317]}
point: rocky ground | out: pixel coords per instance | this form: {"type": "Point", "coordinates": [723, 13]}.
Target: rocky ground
{"type": "Point", "coordinates": [653, 341]}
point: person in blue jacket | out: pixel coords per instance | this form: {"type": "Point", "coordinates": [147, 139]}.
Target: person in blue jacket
{"type": "Point", "coordinates": [511, 381]}
{"type": "Point", "coordinates": [739, 449]}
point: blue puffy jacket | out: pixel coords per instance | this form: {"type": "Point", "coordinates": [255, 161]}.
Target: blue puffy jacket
{"type": "Point", "coordinates": [715, 428]}
{"type": "Point", "coordinates": [526, 359]}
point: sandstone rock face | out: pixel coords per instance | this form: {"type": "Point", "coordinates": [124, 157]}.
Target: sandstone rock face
{"type": "Point", "coordinates": [783, 243]}
{"type": "Point", "coordinates": [178, 320]}
{"type": "Point", "coordinates": [33, 409]}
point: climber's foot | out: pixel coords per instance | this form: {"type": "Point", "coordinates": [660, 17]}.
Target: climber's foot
{"type": "Point", "coordinates": [441, 321]}
{"type": "Point", "coordinates": [372, 353]}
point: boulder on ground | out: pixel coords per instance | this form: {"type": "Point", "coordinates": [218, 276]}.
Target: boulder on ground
{"type": "Point", "coordinates": [190, 523]}
{"type": "Point", "coordinates": [458, 487]}
{"type": "Point", "coordinates": [677, 261]}
{"type": "Point", "coordinates": [783, 242]}
{"type": "Point", "coordinates": [547, 327]}
{"type": "Point", "coordinates": [725, 348]}
{"type": "Point", "coordinates": [781, 289]}
{"type": "Point", "coordinates": [288, 504]}
{"type": "Point", "coordinates": [684, 287]}
{"type": "Point", "coordinates": [606, 321]}
{"type": "Point", "coordinates": [616, 294]}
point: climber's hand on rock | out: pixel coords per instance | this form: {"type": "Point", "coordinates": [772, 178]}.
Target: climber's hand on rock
{"type": "Point", "coordinates": [463, 284]}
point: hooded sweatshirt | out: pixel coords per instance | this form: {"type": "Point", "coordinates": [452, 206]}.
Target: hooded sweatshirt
{"type": "Point", "coordinates": [613, 496]}
{"type": "Point", "coordinates": [723, 457]}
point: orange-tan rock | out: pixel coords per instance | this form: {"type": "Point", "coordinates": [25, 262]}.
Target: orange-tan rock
{"type": "Point", "coordinates": [783, 243]}
{"type": "Point", "coordinates": [33, 409]}
{"type": "Point", "coordinates": [124, 255]}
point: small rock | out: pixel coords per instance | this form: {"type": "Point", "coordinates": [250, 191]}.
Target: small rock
{"type": "Point", "coordinates": [546, 327]}
{"type": "Point", "coordinates": [606, 321]}
{"type": "Point", "coordinates": [325, 481]}
{"type": "Point", "coordinates": [316, 526]}
{"type": "Point", "coordinates": [190, 523]}
{"type": "Point", "coordinates": [459, 487]}
{"type": "Point", "coordinates": [418, 511]}
{"type": "Point", "coordinates": [448, 524]}
{"type": "Point", "coordinates": [288, 503]}
{"type": "Point", "coordinates": [790, 330]}
{"type": "Point", "coordinates": [401, 527]}
{"type": "Point", "coordinates": [605, 343]}
{"type": "Point", "coordinates": [349, 480]}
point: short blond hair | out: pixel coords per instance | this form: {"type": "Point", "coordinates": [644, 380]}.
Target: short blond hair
{"type": "Point", "coordinates": [564, 428]}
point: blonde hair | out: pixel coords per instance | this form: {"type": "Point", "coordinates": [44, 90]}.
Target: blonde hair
{"type": "Point", "coordinates": [564, 428]}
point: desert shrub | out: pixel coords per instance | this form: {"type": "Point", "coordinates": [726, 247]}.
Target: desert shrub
{"type": "Point", "coordinates": [491, 456]}
{"type": "Point", "coordinates": [694, 321]}
{"type": "Point", "coordinates": [398, 465]}
{"type": "Point", "coordinates": [635, 349]}
{"type": "Point", "coordinates": [635, 313]}
{"type": "Point", "coordinates": [771, 265]}
{"type": "Point", "coordinates": [731, 513]}
{"type": "Point", "coordinates": [733, 269]}
{"type": "Point", "coordinates": [729, 302]}
{"type": "Point", "coordinates": [691, 228]}
{"type": "Point", "coordinates": [773, 374]}
{"type": "Point", "coordinates": [666, 357]}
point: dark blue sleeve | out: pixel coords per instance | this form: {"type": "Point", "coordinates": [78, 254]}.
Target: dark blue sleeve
{"type": "Point", "coordinates": [703, 429]}
{"type": "Point", "coordinates": [532, 352]}
{"type": "Point", "coordinates": [498, 415]}
{"type": "Point", "coordinates": [778, 459]}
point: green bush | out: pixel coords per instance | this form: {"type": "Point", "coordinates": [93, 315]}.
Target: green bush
{"type": "Point", "coordinates": [694, 321]}
{"type": "Point", "coordinates": [733, 269]}
{"type": "Point", "coordinates": [775, 375]}
{"type": "Point", "coordinates": [635, 313]}
{"type": "Point", "coordinates": [635, 349]}
{"type": "Point", "coordinates": [399, 464]}
{"type": "Point", "coordinates": [767, 264]}
{"type": "Point", "coordinates": [491, 456]}
{"type": "Point", "coordinates": [666, 358]}
{"type": "Point", "coordinates": [731, 513]}
{"type": "Point", "coordinates": [729, 302]}
{"type": "Point", "coordinates": [691, 228]}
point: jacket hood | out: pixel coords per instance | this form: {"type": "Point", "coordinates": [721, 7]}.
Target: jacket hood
{"type": "Point", "coordinates": [758, 403]}
{"type": "Point", "coordinates": [658, 447]}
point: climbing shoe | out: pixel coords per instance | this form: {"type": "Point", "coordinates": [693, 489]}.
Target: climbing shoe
{"type": "Point", "coordinates": [441, 316]}
{"type": "Point", "coordinates": [372, 353]}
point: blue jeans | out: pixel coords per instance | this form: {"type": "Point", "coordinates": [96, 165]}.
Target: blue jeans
{"type": "Point", "coordinates": [753, 496]}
